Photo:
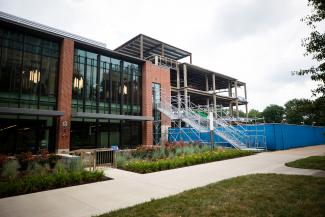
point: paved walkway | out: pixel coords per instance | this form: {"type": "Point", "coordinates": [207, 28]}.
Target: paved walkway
{"type": "Point", "coordinates": [128, 188]}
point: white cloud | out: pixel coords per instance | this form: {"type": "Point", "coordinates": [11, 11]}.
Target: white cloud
{"type": "Point", "coordinates": [256, 41]}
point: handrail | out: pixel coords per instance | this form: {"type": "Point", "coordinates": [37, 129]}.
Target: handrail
{"type": "Point", "coordinates": [178, 107]}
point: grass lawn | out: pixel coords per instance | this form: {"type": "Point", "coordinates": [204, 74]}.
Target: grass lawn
{"type": "Point", "coordinates": [314, 162]}
{"type": "Point", "coordinates": [252, 195]}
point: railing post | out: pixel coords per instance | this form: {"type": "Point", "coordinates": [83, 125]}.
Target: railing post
{"type": "Point", "coordinates": [95, 158]}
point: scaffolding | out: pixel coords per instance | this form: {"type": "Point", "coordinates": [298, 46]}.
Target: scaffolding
{"type": "Point", "coordinates": [241, 133]}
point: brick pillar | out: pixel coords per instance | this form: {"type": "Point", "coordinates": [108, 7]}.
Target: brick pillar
{"type": "Point", "coordinates": [147, 132]}
{"type": "Point", "coordinates": [153, 74]}
{"type": "Point", "coordinates": [64, 96]}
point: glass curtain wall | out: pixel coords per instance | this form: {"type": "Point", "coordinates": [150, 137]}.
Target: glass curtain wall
{"type": "Point", "coordinates": [102, 84]}
{"type": "Point", "coordinates": [28, 79]}
{"type": "Point", "coordinates": [105, 85]}
{"type": "Point", "coordinates": [28, 72]}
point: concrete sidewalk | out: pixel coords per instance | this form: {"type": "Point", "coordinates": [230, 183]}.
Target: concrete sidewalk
{"type": "Point", "coordinates": [128, 188]}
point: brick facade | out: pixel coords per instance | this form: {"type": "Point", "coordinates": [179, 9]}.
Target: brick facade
{"type": "Point", "coordinates": [153, 74]}
{"type": "Point", "coordinates": [64, 95]}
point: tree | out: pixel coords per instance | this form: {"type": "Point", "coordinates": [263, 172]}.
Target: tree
{"type": "Point", "coordinates": [315, 45]}
{"type": "Point", "coordinates": [319, 111]}
{"type": "Point", "coordinates": [253, 113]}
{"type": "Point", "coordinates": [273, 113]}
{"type": "Point", "coordinates": [242, 114]}
{"type": "Point", "coordinates": [299, 111]}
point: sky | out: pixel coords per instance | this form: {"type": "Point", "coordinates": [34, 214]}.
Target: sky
{"type": "Point", "coordinates": [255, 41]}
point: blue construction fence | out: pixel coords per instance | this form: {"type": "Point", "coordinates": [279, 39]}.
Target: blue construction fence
{"type": "Point", "coordinates": [276, 136]}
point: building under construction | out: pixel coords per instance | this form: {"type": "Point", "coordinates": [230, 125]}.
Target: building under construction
{"type": "Point", "coordinates": [61, 92]}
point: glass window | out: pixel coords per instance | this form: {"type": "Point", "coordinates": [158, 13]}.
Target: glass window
{"type": "Point", "coordinates": [28, 71]}
{"type": "Point", "coordinates": [105, 84]}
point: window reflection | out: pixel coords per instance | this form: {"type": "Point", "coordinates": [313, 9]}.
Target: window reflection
{"type": "Point", "coordinates": [107, 84]}
{"type": "Point", "coordinates": [28, 71]}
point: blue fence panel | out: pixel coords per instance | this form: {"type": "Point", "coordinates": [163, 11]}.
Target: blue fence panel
{"type": "Point", "coordinates": [278, 136]}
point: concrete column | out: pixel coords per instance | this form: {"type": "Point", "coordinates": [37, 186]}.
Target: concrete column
{"type": "Point", "coordinates": [185, 87]}
{"type": "Point", "coordinates": [214, 94]}
{"type": "Point", "coordinates": [229, 89]}
{"type": "Point", "coordinates": [245, 90]}
{"type": "Point", "coordinates": [236, 96]}
{"type": "Point", "coordinates": [178, 82]}
{"type": "Point", "coordinates": [191, 58]}
{"type": "Point", "coordinates": [207, 88]}
{"type": "Point", "coordinates": [141, 46]}
{"type": "Point", "coordinates": [162, 50]}
{"type": "Point", "coordinates": [246, 106]}
{"type": "Point", "coordinates": [231, 109]}
{"type": "Point", "coordinates": [64, 96]}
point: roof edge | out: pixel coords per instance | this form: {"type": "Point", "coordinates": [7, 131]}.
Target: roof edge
{"type": "Point", "coordinates": [47, 29]}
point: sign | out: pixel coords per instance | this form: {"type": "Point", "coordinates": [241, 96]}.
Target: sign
{"type": "Point", "coordinates": [114, 147]}
{"type": "Point", "coordinates": [210, 118]}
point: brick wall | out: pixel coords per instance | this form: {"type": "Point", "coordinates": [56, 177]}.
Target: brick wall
{"type": "Point", "coordinates": [64, 95]}
{"type": "Point", "coordinates": [153, 74]}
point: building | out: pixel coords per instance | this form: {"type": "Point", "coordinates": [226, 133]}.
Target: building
{"type": "Point", "coordinates": [60, 91]}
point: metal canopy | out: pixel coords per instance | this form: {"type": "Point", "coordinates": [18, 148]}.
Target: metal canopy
{"type": "Point", "coordinates": [26, 111]}
{"type": "Point", "coordinates": [111, 116]}
{"type": "Point", "coordinates": [143, 46]}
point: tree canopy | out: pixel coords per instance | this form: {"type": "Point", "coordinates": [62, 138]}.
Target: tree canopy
{"type": "Point", "coordinates": [315, 45]}
{"type": "Point", "coordinates": [299, 111]}
{"type": "Point", "coordinates": [273, 113]}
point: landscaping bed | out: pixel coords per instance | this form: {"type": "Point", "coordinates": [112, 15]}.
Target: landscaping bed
{"type": "Point", "coordinates": [252, 195]}
{"type": "Point", "coordinates": [27, 173]}
{"type": "Point", "coordinates": [153, 159]}
{"type": "Point", "coordinates": [313, 162]}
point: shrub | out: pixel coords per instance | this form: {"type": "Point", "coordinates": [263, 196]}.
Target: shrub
{"type": "Point", "coordinates": [147, 166]}
{"type": "Point", "coordinates": [34, 183]}
{"type": "Point", "coordinates": [75, 165]}
{"type": "Point", "coordinates": [10, 169]}
{"type": "Point", "coordinates": [53, 159]}
{"type": "Point", "coordinates": [3, 159]}
{"type": "Point", "coordinates": [120, 159]}
{"type": "Point", "coordinates": [59, 169]}
{"type": "Point", "coordinates": [24, 159]}
{"type": "Point", "coordinates": [35, 168]}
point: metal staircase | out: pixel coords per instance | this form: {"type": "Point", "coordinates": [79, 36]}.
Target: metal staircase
{"type": "Point", "coordinates": [179, 108]}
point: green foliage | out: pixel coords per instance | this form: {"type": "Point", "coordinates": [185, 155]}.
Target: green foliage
{"type": "Point", "coordinates": [253, 113]}
{"type": "Point", "coordinates": [319, 111]}
{"type": "Point", "coordinates": [34, 183]}
{"type": "Point", "coordinates": [273, 113]}
{"type": "Point", "coordinates": [60, 168]}
{"type": "Point", "coordinates": [315, 45]}
{"type": "Point", "coordinates": [75, 165]}
{"type": "Point", "coordinates": [120, 159]}
{"type": "Point", "coordinates": [37, 169]}
{"type": "Point", "coordinates": [299, 111]}
{"type": "Point", "coordinates": [147, 166]}
{"type": "Point", "coordinates": [313, 162]}
{"type": "Point", "coordinates": [311, 112]}
{"type": "Point", "coordinates": [10, 169]}
{"type": "Point", "coordinates": [3, 159]}
{"type": "Point", "coordinates": [252, 195]}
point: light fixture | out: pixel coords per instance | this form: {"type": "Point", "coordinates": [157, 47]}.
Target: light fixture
{"type": "Point", "coordinates": [125, 89]}
{"type": "Point", "coordinates": [78, 83]}
{"type": "Point", "coordinates": [34, 76]}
